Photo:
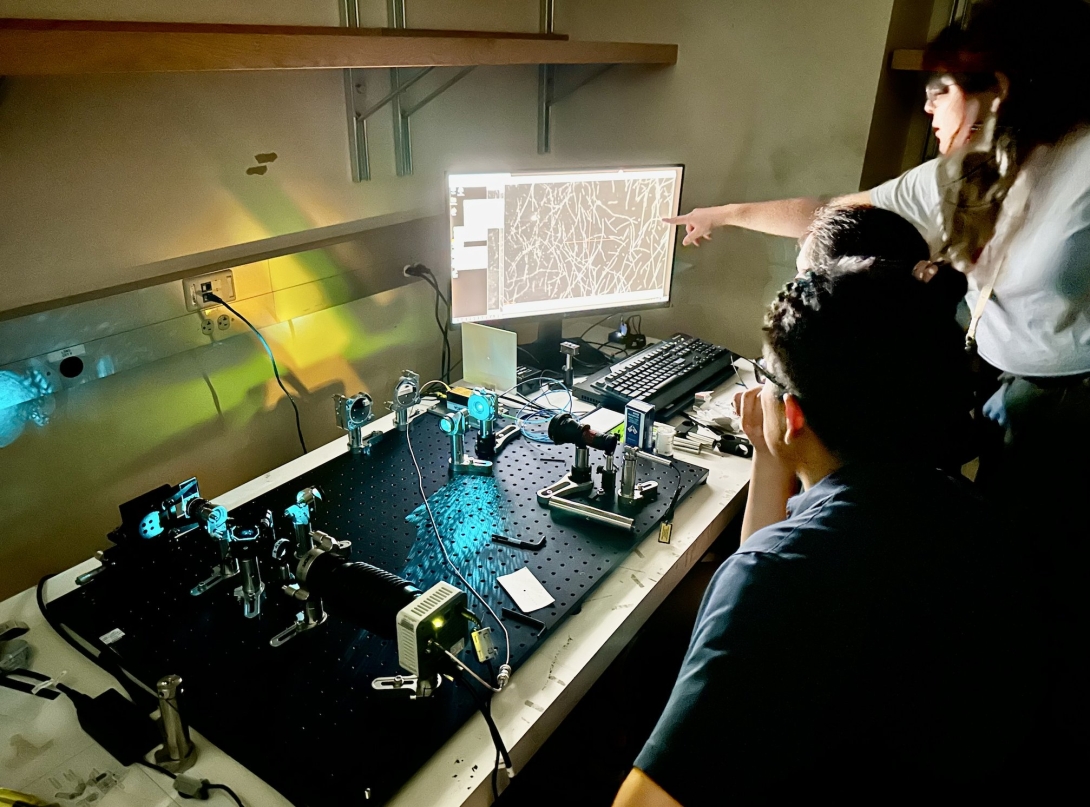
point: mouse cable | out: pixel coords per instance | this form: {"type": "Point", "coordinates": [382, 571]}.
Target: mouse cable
{"type": "Point", "coordinates": [220, 301]}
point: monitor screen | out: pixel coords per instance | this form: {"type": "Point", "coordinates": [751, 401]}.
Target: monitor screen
{"type": "Point", "coordinates": [524, 245]}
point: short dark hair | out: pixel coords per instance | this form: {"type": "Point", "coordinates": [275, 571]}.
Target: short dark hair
{"type": "Point", "coordinates": [854, 341]}
{"type": "Point", "coordinates": [863, 231]}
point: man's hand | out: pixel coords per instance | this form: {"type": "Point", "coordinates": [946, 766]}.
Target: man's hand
{"type": "Point", "coordinates": [748, 406]}
{"type": "Point", "coordinates": [698, 224]}
{"type": "Point", "coordinates": [771, 481]}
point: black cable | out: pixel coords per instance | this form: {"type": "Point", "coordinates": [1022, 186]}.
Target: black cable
{"type": "Point", "coordinates": [209, 296]}
{"type": "Point", "coordinates": [102, 661]}
{"type": "Point", "coordinates": [523, 403]}
{"type": "Point", "coordinates": [228, 791]}
{"type": "Point", "coordinates": [156, 768]}
{"type": "Point", "coordinates": [669, 515]}
{"type": "Point", "coordinates": [484, 707]}
{"type": "Point", "coordinates": [496, 764]}
{"type": "Point", "coordinates": [207, 785]}
{"type": "Point", "coordinates": [428, 276]}
{"type": "Point", "coordinates": [444, 361]}
{"type": "Point", "coordinates": [115, 670]}
{"type": "Point", "coordinates": [596, 324]}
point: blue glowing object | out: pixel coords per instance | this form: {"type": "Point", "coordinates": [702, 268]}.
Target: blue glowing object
{"type": "Point", "coordinates": [468, 510]}
{"type": "Point", "coordinates": [21, 402]}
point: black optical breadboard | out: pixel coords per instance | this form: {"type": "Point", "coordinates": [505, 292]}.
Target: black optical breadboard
{"type": "Point", "coordinates": [304, 717]}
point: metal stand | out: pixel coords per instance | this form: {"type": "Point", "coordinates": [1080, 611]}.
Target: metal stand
{"type": "Point", "coordinates": [178, 753]}
{"type": "Point", "coordinates": [252, 590]}
{"type": "Point", "coordinates": [301, 514]}
{"type": "Point", "coordinates": [454, 425]}
{"type": "Point", "coordinates": [483, 407]}
{"type": "Point", "coordinates": [577, 480]}
{"type": "Point", "coordinates": [409, 684]}
{"type": "Point", "coordinates": [633, 493]}
{"type": "Point", "coordinates": [406, 396]}
{"type": "Point", "coordinates": [312, 615]}
{"type": "Point", "coordinates": [352, 415]}
{"type": "Point", "coordinates": [608, 472]}
{"type": "Point", "coordinates": [570, 351]}
{"type": "Point", "coordinates": [213, 519]}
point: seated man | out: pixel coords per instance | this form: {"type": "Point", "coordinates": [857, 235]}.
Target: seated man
{"type": "Point", "coordinates": [852, 646]}
{"type": "Point", "coordinates": [862, 231]}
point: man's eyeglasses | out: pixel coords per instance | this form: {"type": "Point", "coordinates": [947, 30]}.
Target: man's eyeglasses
{"type": "Point", "coordinates": [762, 375]}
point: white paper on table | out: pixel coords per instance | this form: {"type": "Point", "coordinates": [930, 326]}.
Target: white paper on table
{"type": "Point", "coordinates": [604, 420]}
{"type": "Point", "coordinates": [528, 594]}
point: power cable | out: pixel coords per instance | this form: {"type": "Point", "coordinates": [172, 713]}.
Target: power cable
{"type": "Point", "coordinates": [276, 372]}
{"type": "Point", "coordinates": [505, 670]}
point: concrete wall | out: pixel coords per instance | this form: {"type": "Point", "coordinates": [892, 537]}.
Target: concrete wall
{"type": "Point", "coordinates": [104, 175]}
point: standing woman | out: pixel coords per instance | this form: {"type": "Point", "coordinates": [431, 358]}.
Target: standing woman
{"type": "Point", "coordinates": [1008, 203]}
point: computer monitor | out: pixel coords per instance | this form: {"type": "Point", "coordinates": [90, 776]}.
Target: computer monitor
{"type": "Point", "coordinates": [549, 244]}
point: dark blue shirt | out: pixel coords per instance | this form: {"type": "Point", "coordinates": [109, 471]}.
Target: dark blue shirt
{"type": "Point", "coordinates": [856, 642]}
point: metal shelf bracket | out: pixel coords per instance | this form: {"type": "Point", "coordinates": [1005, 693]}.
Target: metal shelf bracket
{"type": "Point", "coordinates": [547, 94]}
{"type": "Point", "coordinates": [401, 79]}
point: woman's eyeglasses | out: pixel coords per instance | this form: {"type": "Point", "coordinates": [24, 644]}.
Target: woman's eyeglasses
{"type": "Point", "coordinates": [936, 87]}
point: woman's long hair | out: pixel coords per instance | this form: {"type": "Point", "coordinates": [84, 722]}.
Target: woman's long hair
{"type": "Point", "coordinates": [1043, 49]}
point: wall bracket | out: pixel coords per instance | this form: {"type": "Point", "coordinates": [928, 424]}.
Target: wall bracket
{"type": "Point", "coordinates": [401, 79]}
{"type": "Point", "coordinates": [549, 94]}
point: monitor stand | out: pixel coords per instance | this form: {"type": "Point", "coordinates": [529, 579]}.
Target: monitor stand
{"type": "Point", "coordinates": [544, 352]}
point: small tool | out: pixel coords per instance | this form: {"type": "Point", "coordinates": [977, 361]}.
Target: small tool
{"type": "Point", "coordinates": [518, 543]}
{"type": "Point", "coordinates": [518, 616]}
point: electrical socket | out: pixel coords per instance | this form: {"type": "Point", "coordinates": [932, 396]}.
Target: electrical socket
{"type": "Point", "coordinates": [223, 322]}
{"type": "Point", "coordinates": [207, 327]}
{"type": "Point", "coordinates": [221, 283]}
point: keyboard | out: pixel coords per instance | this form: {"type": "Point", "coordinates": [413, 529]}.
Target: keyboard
{"type": "Point", "coordinates": [667, 375]}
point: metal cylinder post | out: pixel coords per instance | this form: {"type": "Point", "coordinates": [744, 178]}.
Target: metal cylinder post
{"type": "Point", "coordinates": [178, 753]}
{"type": "Point", "coordinates": [628, 474]}
{"type": "Point", "coordinates": [546, 13]}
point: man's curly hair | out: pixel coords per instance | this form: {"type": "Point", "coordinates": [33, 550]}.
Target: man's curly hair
{"type": "Point", "coordinates": [878, 366]}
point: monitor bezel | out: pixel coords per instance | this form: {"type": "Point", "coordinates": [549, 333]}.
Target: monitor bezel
{"type": "Point", "coordinates": [590, 312]}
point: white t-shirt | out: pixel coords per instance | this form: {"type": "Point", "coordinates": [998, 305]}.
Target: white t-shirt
{"type": "Point", "coordinates": [1038, 320]}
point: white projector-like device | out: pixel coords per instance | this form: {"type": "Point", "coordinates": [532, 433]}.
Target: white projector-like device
{"type": "Point", "coordinates": [436, 615]}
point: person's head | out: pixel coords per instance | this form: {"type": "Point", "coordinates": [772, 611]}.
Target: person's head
{"type": "Point", "coordinates": [1030, 54]}
{"type": "Point", "coordinates": [863, 231]}
{"type": "Point", "coordinates": [847, 351]}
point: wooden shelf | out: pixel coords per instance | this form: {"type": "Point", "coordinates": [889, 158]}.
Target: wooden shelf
{"type": "Point", "coordinates": [67, 47]}
{"type": "Point", "coordinates": [905, 59]}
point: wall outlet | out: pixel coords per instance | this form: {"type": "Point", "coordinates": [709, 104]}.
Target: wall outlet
{"type": "Point", "coordinates": [196, 289]}
{"type": "Point", "coordinates": [223, 322]}
{"type": "Point", "coordinates": [207, 328]}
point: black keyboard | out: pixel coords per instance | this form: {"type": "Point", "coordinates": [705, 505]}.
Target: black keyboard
{"type": "Point", "coordinates": [667, 375]}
